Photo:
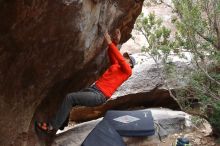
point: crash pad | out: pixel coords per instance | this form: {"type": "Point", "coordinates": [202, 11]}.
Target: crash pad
{"type": "Point", "coordinates": [103, 135]}
{"type": "Point", "coordinates": [131, 123]}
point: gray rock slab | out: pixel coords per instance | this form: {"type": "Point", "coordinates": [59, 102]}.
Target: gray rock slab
{"type": "Point", "coordinates": [166, 122]}
{"type": "Point", "coordinates": [147, 75]}
{"type": "Point", "coordinates": [74, 136]}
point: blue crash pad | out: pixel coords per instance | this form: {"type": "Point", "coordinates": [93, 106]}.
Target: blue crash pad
{"type": "Point", "coordinates": [131, 123]}
{"type": "Point", "coordinates": [103, 135]}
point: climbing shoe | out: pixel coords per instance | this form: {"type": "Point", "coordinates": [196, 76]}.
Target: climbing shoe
{"type": "Point", "coordinates": [44, 127]}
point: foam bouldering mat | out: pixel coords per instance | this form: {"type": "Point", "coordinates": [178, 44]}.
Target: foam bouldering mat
{"type": "Point", "coordinates": [103, 135]}
{"type": "Point", "coordinates": [131, 123]}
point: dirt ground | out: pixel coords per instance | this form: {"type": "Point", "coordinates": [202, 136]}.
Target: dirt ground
{"type": "Point", "coordinates": [198, 136]}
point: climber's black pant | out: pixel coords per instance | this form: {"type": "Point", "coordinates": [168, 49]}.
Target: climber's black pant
{"type": "Point", "coordinates": [88, 97]}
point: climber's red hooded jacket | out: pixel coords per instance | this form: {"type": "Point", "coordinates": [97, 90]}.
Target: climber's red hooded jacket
{"type": "Point", "coordinates": [116, 74]}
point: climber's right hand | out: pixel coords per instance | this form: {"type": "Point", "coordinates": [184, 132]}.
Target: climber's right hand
{"type": "Point", "coordinates": [107, 38]}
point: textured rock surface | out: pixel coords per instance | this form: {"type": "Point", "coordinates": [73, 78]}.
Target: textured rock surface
{"type": "Point", "coordinates": [74, 136]}
{"type": "Point", "coordinates": [147, 75]}
{"type": "Point", "coordinates": [48, 48]}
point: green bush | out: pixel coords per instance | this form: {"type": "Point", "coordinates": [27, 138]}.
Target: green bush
{"type": "Point", "coordinates": [198, 32]}
{"type": "Point", "coordinates": [215, 117]}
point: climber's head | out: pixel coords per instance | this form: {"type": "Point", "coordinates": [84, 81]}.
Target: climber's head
{"type": "Point", "coordinates": [129, 59]}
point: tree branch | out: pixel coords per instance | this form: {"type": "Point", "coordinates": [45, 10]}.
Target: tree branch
{"type": "Point", "coordinates": [166, 4]}
{"type": "Point", "coordinates": [166, 84]}
{"type": "Point", "coordinates": [217, 30]}
{"type": "Point", "coordinates": [205, 91]}
{"type": "Point", "coordinates": [208, 13]}
{"type": "Point", "coordinates": [206, 73]}
{"type": "Point", "coordinates": [197, 114]}
{"type": "Point", "coordinates": [207, 39]}
{"type": "Point", "coordinates": [144, 35]}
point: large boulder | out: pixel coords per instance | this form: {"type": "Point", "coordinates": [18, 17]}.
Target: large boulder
{"type": "Point", "coordinates": [49, 48]}
{"type": "Point", "coordinates": [147, 87]}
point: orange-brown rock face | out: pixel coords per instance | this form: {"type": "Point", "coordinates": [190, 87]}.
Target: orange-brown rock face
{"type": "Point", "coordinates": [151, 99]}
{"type": "Point", "coordinates": [49, 48]}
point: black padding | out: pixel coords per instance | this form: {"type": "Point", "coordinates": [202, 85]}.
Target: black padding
{"type": "Point", "coordinates": [103, 135]}
{"type": "Point", "coordinates": [131, 123]}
